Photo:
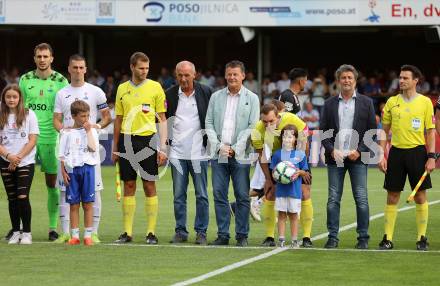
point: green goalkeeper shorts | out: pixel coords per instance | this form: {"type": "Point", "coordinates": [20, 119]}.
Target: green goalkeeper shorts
{"type": "Point", "coordinates": [47, 157]}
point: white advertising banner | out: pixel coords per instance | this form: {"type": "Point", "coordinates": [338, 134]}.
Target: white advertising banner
{"type": "Point", "coordinates": [210, 13]}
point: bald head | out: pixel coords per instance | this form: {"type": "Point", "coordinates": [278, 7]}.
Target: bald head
{"type": "Point", "coordinates": [185, 75]}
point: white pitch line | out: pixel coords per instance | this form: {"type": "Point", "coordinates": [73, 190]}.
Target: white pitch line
{"type": "Point", "coordinates": [188, 246]}
{"type": "Point", "coordinates": [275, 251]}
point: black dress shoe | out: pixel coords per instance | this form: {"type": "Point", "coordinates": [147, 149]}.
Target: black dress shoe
{"type": "Point", "coordinates": [242, 242]}
{"type": "Point", "coordinates": [362, 244]}
{"type": "Point", "coordinates": [201, 238]}
{"type": "Point", "coordinates": [179, 238]}
{"type": "Point", "coordinates": [220, 241]}
{"type": "Point", "coordinates": [331, 243]}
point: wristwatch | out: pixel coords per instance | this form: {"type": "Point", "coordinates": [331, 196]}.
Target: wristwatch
{"type": "Point", "coordinates": [432, 156]}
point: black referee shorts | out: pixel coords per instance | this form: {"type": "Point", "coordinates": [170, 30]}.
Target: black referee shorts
{"type": "Point", "coordinates": [402, 162]}
{"type": "Point", "coordinates": [129, 163]}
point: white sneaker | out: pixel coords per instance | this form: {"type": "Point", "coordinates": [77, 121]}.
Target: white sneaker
{"type": "Point", "coordinates": [255, 210]}
{"type": "Point", "coordinates": [26, 238]}
{"type": "Point", "coordinates": [15, 238]}
{"type": "Point", "coordinates": [282, 243]}
{"type": "Point", "coordinates": [294, 244]}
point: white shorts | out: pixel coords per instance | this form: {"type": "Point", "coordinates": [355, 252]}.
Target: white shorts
{"type": "Point", "coordinates": [99, 186]}
{"type": "Point", "coordinates": [288, 204]}
{"type": "Point", "coordinates": [258, 179]}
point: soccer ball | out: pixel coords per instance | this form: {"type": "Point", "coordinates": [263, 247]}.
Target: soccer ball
{"type": "Point", "coordinates": [284, 172]}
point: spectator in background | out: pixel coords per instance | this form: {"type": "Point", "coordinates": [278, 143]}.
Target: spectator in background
{"type": "Point", "coordinates": [125, 77]}
{"type": "Point", "coordinates": [435, 88]}
{"type": "Point", "coordinates": [220, 83]}
{"type": "Point", "coordinates": [250, 83]}
{"type": "Point", "coordinates": [361, 83]}
{"type": "Point", "coordinates": [392, 84]}
{"type": "Point", "coordinates": [13, 76]}
{"type": "Point", "coordinates": [310, 116]}
{"type": "Point", "coordinates": [208, 79]}
{"type": "Point", "coordinates": [423, 87]}
{"type": "Point", "coordinates": [109, 87]}
{"type": "Point", "coordinates": [380, 79]}
{"type": "Point", "coordinates": [373, 90]}
{"type": "Point", "coordinates": [319, 91]}
{"type": "Point", "coordinates": [268, 90]}
{"type": "Point", "coordinates": [96, 78]}
{"type": "Point", "coordinates": [284, 82]}
{"type": "Point", "coordinates": [117, 75]}
{"type": "Point", "coordinates": [165, 79]}
{"type": "Point", "coordinates": [334, 89]}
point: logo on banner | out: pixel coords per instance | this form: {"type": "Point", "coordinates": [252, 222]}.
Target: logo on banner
{"type": "Point", "coordinates": [50, 11]}
{"type": "Point", "coordinates": [186, 12]}
{"type": "Point", "coordinates": [373, 18]}
{"type": "Point", "coordinates": [154, 11]}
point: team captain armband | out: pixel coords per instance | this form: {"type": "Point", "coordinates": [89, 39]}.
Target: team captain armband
{"type": "Point", "coordinates": [102, 106]}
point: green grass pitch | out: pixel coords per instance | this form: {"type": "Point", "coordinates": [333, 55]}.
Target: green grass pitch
{"type": "Point", "coordinates": [48, 264]}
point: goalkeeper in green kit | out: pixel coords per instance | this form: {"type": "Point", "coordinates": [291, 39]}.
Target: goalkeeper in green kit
{"type": "Point", "coordinates": [39, 88]}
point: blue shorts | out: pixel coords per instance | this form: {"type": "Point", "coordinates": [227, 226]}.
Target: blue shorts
{"type": "Point", "coordinates": [81, 187]}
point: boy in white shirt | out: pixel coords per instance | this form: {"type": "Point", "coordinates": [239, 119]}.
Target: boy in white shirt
{"type": "Point", "coordinates": [78, 155]}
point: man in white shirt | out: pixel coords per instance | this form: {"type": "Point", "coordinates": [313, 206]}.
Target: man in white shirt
{"type": "Point", "coordinates": [78, 89]}
{"type": "Point", "coordinates": [187, 105]}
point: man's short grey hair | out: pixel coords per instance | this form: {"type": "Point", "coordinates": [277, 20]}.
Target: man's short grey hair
{"type": "Point", "coordinates": [236, 64]}
{"type": "Point", "coordinates": [346, 68]}
{"type": "Point", "coordinates": [180, 64]}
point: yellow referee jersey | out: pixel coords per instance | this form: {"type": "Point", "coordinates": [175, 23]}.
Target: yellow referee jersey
{"type": "Point", "coordinates": [138, 104]}
{"type": "Point", "coordinates": [260, 137]}
{"type": "Point", "coordinates": [408, 120]}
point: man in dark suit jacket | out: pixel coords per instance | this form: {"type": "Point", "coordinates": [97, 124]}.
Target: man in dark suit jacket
{"type": "Point", "coordinates": [186, 111]}
{"type": "Point", "coordinates": [350, 115]}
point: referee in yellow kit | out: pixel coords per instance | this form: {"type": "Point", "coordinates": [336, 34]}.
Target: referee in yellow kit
{"type": "Point", "coordinates": [139, 102]}
{"type": "Point", "coordinates": [408, 115]}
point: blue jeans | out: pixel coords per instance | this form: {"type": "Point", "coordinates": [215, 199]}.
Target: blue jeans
{"type": "Point", "coordinates": [180, 171]}
{"type": "Point", "coordinates": [221, 174]}
{"type": "Point", "coordinates": [358, 178]}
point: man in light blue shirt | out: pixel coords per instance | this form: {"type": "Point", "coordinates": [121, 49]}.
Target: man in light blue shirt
{"type": "Point", "coordinates": [231, 116]}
